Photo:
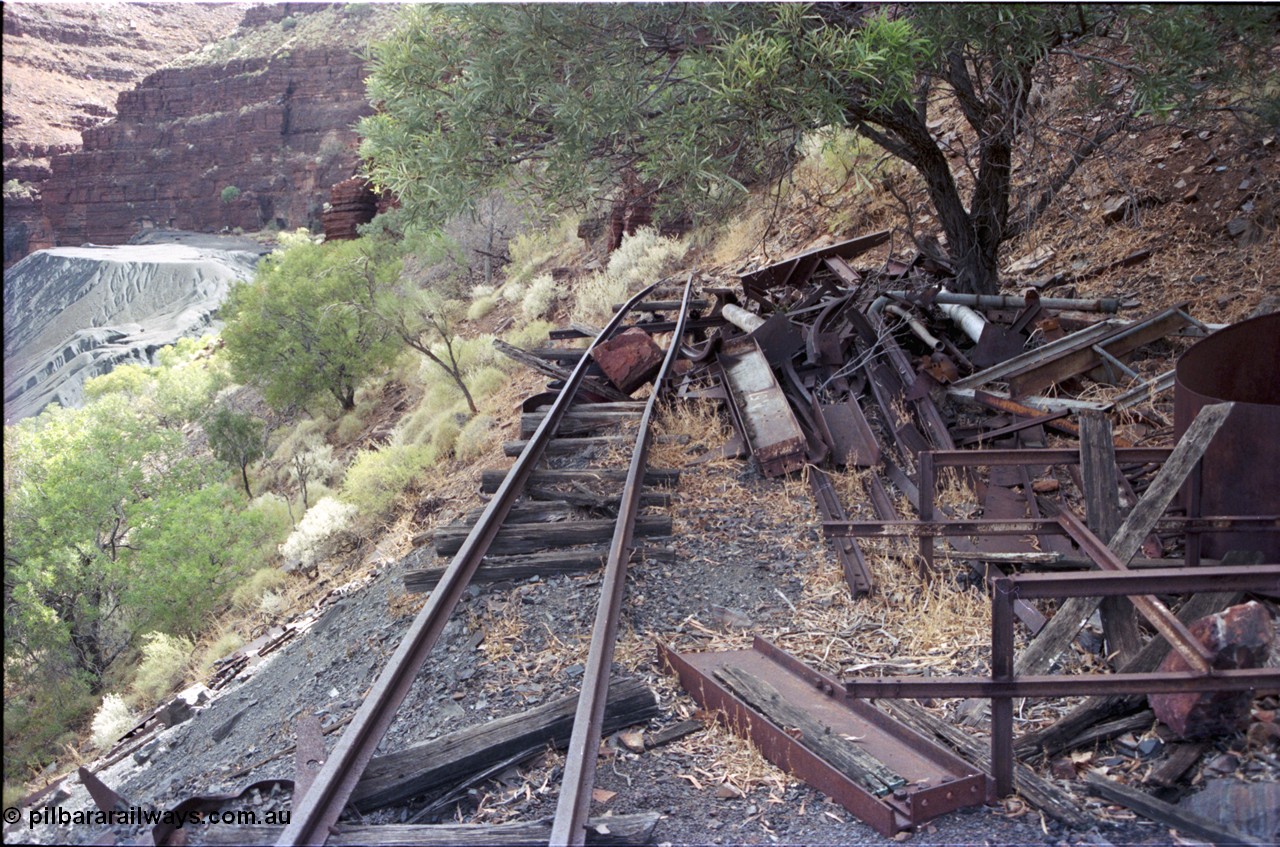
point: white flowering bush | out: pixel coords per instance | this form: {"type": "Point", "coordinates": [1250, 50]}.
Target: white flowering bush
{"type": "Point", "coordinates": [642, 259]}
{"type": "Point", "coordinates": [304, 546]}
{"type": "Point", "coordinates": [540, 297]}
{"type": "Point", "coordinates": [113, 719]}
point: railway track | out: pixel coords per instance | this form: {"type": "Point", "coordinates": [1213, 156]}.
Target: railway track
{"type": "Point", "coordinates": [317, 809]}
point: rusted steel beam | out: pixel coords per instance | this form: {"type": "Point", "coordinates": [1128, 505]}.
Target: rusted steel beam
{"type": "Point", "coordinates": [1156, 613]}
{"type": "Point", "coordinates": [319, 809]}
{"type": "Point", "coordinates": [1090, 359]}
{"type": "Point", "coordinates": [792, 269]}
{"type": "Point", "coordinates": [574, 803]}
{"type": "Point", "coordinates": [1148, 581]}
{"type": "Point", "coordinates": [1035, 419]}
{"type": "Point", "coordinates": [1247, 679]}
{"type": "Point", "coordinates": [773, 433]}
{"type": "Point", "coordinates": [1037, 526]}
{"type": "Point", "coordinates": [856, 572]}
{"type": "Point", "coordinates": [1081, 339]}
{"type": "Point", "coordinates": [1041, 456]}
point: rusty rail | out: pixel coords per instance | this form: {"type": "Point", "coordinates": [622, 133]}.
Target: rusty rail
{"type": "Point", "coordinates": [569, 825]}
{"type": "Point", "coordinates": [316, 813]}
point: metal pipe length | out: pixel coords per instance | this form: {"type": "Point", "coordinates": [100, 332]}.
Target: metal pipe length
{"type": "Point", "coordinates": [323, 803]}
{"type": "Point", "coordinates": [569, 825]}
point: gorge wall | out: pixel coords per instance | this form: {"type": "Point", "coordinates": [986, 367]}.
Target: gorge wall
{"type": "Point", "coordinates": [64, 65]}
{"type": "Point", "coordinates": [246, 133]}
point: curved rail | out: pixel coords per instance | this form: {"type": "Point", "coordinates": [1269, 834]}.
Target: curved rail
{"type": "Point", "coordinates": [319, 808]}
{"type": "Point", "coordinates": [569, 825]}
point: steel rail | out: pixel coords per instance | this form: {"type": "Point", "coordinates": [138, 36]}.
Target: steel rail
{"type": "Point", "coordinates": [569, 825]}
{"type": "Point", "coordinates": [319, 809]}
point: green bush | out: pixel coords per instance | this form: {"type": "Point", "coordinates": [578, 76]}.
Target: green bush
{"type": "Point", "coordinates": [488, 381]}
{"type": "Point", "coordinates": [540, 298]}
{"type": "Point", "coordinates": [475, 438]}
{"type": "Point", "coordinates": [377, 477]}
{"type": "Point", "coordinates": [221, 647]}
{"type": "Point", "coordinates": [230, 194]}
{"type": "Point", "coordinates": [165, 662]}
{"type": "Point", "coordinates": [249, 593]}
{"type": "Point", "coordinates": [40, 719]}
{"type": "Point", "coordinates": [482, 307]}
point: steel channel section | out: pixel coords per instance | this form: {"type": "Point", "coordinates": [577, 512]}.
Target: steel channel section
{"type": "Point", "coordinates": [313, 817]}
{"type": "Point", "coordinates": [938, 781]}
{"type": "Point", "coordinates": [852, 562]}
{"type": "Point", "coordinates": [1002, 594]}
{"type": "Point", "coordinates": [569, 825]}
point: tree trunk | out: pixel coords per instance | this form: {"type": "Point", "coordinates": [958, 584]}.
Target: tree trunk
{"type": "Point", "coordinates": [244, 475]}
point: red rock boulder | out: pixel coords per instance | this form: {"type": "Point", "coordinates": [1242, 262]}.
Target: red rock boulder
{"type": "Point", "coordinates": [1238, 637]}
{"type": "Point", "coordinates": [629, 359]}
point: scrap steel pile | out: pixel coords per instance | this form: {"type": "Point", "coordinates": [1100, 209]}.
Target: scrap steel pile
{"type": "Point", "coordinates": [822, 367]}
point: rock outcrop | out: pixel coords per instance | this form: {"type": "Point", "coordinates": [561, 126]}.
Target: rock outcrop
{"type": "Point", "coordinates": [248, 133]}
{"type": "Point", "coordinates": [64, 65]}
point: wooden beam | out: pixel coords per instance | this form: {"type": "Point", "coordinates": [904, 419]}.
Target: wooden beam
{"type": "Point", "coordinates": [1061, 629]}
{"type": "Point", "coordinates": [400, 776]}
{"type": "Point", "coordinates": [604, 831]}
{"type": "Point", "coordinates": [516, 568]}
{"type": "Point", "coordinates": [1163, 813]}
{"type": "Point", "coordinates": [530, 538]}
{"type": "Point", "coordinates": [1102, 514]}
{"type": "Point", "coordinates": [609, 477]}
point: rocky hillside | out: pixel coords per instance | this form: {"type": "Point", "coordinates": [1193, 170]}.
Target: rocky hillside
{"type": "Point", "coordinates": [64, 65]}
{"type": "Point", "coordinates": [247, 133]}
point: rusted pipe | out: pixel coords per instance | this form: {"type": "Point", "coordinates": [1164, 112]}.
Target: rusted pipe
{"type": "Point", "coordinates": [930, 340]}
{"type": "Point", "coordinates": [741, 318]}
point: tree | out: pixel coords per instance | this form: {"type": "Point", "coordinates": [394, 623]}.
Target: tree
{"type": "Point", "coordinates": [77, 484]}
{"type": "Point", "coordinates": [576, 100]}
{"type": "Point", "coordinates": [425, 319]}
{"type": "Point", "coordinates": [289, 332]}
{"type": "Point", "coordinates": [237, 439]}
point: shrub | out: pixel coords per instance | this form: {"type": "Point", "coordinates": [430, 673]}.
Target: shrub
{"type": "Point", "coordinates": [247, 595]}
{"type": "Point", "coordinates": [304, 546]}
{"type": "Point", "coordinates": [224, 645]}
{"type": "Point", "coordinates": [377, 477]}
{"type": "Point", "coordinates": [165, 661]}
{"type": "Point", "coordinates": [349, 427]}
{"type": "Point", "coordinates": [475, 438]}
{"type": "Point", "coordinates": [230, 194]}
{"type": "Point", "coordinates": [113, 719]}
{"type": "Point", "coordinates": [540, 298]}
{"type": "Point", "coordinates": [488, 381]}
{"type": "Point", "coordinates": [482, 307]}
{"type": "Point", "coordinates": [533, 334]}
{"type": "Point", "coordinates": [40, 719]}
{"type": "Point", "coordinates": [643, 258]}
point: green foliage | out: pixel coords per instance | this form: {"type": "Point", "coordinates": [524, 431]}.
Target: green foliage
{"type": "Point", "coordinates": [237, 439]}
{"type": "Point", "coordinates": [230, 194]}
{"type": "Point", "coordinates": [249, 593]}
{"type": "Point", "coordinates": [299, 329]}
{"type": "Point", "coordinates": [475, 438]}
{"type": "Point", "coordinates": [179, 390]}
{"type": "Point", "coordinates": [41, 718]}
{"type": "Point", "coordinates": [165, 662]}
{"type": "Point", "coordinates": [621, 102]}
{"type": "Point", "coordinates": [376, 478]}
{"type": "Point", "coordinates": [482, 307]}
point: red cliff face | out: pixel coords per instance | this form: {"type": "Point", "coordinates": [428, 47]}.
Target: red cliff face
{"type": "Point", "coordinates": [247, 144]}
{"type": "Point", "coordinates": [64, 65]}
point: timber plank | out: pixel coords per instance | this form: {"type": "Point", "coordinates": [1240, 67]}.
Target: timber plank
{"type": "Point", "coordinates": [530, 538]}
{"type": "Point", "coordinates": [606, 831]}
{"type": "Point", "coordinates": [400, 776]}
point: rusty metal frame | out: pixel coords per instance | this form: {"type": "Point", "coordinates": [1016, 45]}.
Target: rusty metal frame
{"type": "Point", "coordinates": [574, 803]}
{"type": "Point", "coordinates": [1003, 686]}
{"type": "Point", "coordinates": [949, 784]}
{"type": "Point", "coordinates": [319, 809]}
